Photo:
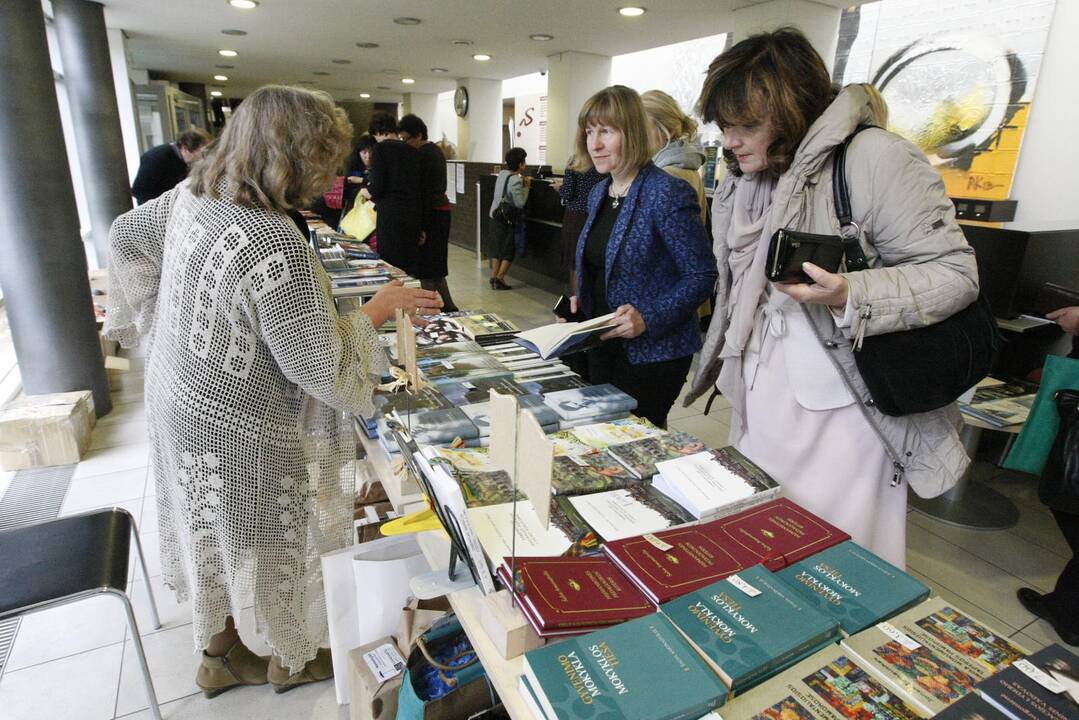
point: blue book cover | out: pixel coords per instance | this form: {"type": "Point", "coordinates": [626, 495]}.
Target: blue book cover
{"type": "Point", "coordinates": [750, 626]}
{"type": "Point", "coordinates": [642, 669]}
{"type": "Point", "coordinates": [853, 586]}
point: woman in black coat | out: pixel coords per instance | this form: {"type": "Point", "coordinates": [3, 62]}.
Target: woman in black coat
{"type": "Point", "coordinates": [393, 183]}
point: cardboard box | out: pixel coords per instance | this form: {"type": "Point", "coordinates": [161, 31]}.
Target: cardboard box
{"type": "Point", "coordinates": [372, 698]}
{"type": "Point", "coordinates": [42, 430]}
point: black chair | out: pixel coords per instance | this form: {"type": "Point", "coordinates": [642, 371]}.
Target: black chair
{"type": "Point", "coordinates": [56, 562]}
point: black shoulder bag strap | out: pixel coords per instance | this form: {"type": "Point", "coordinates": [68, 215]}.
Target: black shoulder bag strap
{"type": "Point", "coordinates": [852, 250]}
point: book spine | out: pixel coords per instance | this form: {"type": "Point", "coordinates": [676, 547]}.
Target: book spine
{"type": "Point", "coordinates": [784, 660]}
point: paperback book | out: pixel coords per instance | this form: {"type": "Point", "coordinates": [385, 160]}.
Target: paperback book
{"type": "Point", "coordinates": [853, 586]}
{"type": "Point", "coordinates": [480, 413]}
{"type": "Point", "coordinates": [629, 511]}
{"type": "Point", "coordinates": [642, 669]}
{"type": "Point", "coordinates": [594, 402]}
{"type": "Point", "coordinates": [494, 525]}
{"type": "Point", "coordinates": [1000, 403]}
{"type": "Point", "coordinates": [481, 483]}
{"type": "Point", "coordinates": [478, 391]}
{"type": "Point", "coordinates": [1044, 686]}
{"type": "Point", "coordinates": [561, 338]}
{"type": "Point", "coordinates": [714, 483]}
{"type": "Point", "coordinates": [973, 706]}
{"type": "Point", "coordinates": [750, 626]}
{"type": "Point", "coordinates": [828, 685]}
{"type": "Point", "coordinates": [440, 330]}
{"type": "Point", "coordinates": [641, 456]}
{"type": "Point", "coordinates": [583, 474]}
{"type": "Point", "coordinates": [463, 367]}
{"type": "Point", "coordinates": [602, 435]}
{"type": "Point", "coordinates": [932, 654]}
{"type": "Point", "coordinates": [487, 326]}
{"type": "Point", "coordinates": [433, 427]}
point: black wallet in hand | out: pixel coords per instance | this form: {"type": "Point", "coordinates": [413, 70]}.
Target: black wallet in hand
{"type": "Point", "coordinates": [788, 249]}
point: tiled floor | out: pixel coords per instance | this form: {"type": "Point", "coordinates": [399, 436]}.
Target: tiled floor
{"type": "Point", "coordinates": [78, 661]}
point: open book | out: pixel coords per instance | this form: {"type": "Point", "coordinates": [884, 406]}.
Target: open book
{"type": "Point", "coordinates": [561, 338]}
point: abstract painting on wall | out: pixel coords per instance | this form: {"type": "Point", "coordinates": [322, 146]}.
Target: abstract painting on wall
{"type": "Point", "coordinates": [958, 78]}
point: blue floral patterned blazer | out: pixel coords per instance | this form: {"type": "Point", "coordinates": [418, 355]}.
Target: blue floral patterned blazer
{"type": "Point", "coordinates": [659, 261]}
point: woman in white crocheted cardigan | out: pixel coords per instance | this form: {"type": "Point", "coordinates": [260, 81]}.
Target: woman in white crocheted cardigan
{"type": "Point", "coordinates": [251, 377]}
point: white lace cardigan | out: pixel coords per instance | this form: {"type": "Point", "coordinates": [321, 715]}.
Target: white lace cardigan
{"type": "Point", "coordinates": [251, 377]}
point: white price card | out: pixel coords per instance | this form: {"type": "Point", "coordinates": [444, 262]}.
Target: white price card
{"type": "Point", "coordinates": [898, 635]}
{"type": "Point", "coordinates": [384, 662]}
{"type": "Point", "coordinates": [1039, 676]}
{"type": "Point", "coordinates": [743, 586]}
{"type": "Point", "coordinates": [657, 543]}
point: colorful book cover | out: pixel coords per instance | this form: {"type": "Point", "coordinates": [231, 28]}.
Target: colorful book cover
{"type": "Point", "coordinates": [641, 456]}
{"type": "Point", "coordinates": [594, 472]}
{"type": "Point", "coordinates": [435, 427]}
{"type": "Point", "coordinates": [479, 325]}
{"type": "Point", "coordinates": [464, 367]}
{"type": "Point", "coordinates": [774, 533]}
{"type": "Point", "coordinates": [566, 443]}
{"type": "Point", "coordinates": [1044, 686]}
{"type": "Point", "coordinates": [439, 331]}
{"type": "Point", "coordinates": [591, 401]}
{"type": "Point", "coordinates": [616, 432]}
{"type": "Point", "coordinates": [749, 626]}
{"type": "Point", "coordinates": [481, 483]}
{"type": "Point", "coordinates": [641, 669]}
{"type": "Point", "coordinates": [828, 685]}
{"type": "Point", "coordinates": [933, 654]}
{"type": "Point", "coordinates": [577, 592]}
{"type": "Point", "coordinates": [853, 586]}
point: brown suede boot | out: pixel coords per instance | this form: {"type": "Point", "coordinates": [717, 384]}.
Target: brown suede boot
{"type": "Point", "coordinates": [239, 666]}
{"type": "Point", "coordinates": [316, 670]}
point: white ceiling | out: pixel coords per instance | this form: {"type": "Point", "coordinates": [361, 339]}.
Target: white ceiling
{"type": "Point", "coordinates": [289, 40]}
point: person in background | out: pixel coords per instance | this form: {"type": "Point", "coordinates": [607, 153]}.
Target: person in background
{"type": "Point", "coordinates": [164, 167]}
{"type": "Point", "coordinates": [359, 162]}
{"type": "Point", "coordinates": [783, 354]}
{"type": "Point", "coordinates": [512, 186]}
{"type": "Point", "coordinates": [573, 191]}
{"type": "Point", "coordinates": [435, 237]}
{"type": "Point", "coordinates": [252, 379]}
{"type": "Point", "coordinates": [393, 183]}
{"type": "Point", "coordinates": [673, 141]}
{"type": "Point", "coordinates": [643, 255]}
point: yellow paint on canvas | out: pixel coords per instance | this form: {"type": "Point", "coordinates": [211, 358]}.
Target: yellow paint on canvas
{"type": "Point", "coordinates": [990, 175]}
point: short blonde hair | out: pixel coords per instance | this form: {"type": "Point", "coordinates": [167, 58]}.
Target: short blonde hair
{"type": "Point", "coordinates": [280, 150]}
{"type": "Point", "coordinates": [621, 108]}
{"type": "Point", "coordinates": [878, 106]}
{"type": "Point", "coordinates": [667, 115]}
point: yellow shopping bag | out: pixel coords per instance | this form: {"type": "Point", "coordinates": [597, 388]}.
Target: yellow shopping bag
{"type": "Point", "coordinates": [359, 222]}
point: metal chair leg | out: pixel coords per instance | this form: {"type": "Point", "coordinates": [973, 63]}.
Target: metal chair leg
{"type": "Point", "coordinates": [146, 576]}
{"type": "Point", "coordinates": [136, 639]}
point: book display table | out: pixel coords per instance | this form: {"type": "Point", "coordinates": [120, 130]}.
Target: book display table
{"type": "Point", "coordinates": [972, 504]}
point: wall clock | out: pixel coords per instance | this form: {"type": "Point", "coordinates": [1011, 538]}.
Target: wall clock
{"type": "Point", "coordinates": [460, 101]}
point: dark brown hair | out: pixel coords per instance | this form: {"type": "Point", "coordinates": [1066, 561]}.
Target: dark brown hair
{"type": "Point", "coordinates": [776, 75]}
{"type": "Point", "coordinates": [193, 139]}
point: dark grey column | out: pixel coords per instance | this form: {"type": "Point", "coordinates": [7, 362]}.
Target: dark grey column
{"type": "Point", "coordinates": [84, 51]}
{"type": "Point", "coordinates": [42, 260]}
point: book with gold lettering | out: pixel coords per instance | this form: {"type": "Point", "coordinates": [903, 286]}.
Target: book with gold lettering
{"type": "Point", "coordinates": [573, 595]}
{"type": "Point", "coordinates": [679, 560]}
{"type": "Point", "coordinates": [853, 586]}
{"type": "Point", "coordinates": [750, 626]}
{"type": "Point", "coordinates": [642, 669]}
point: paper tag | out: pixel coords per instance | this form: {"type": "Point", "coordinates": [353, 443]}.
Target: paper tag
{"type": "Point", "coordinates": [1039, 676]}
{"type": "Point", "coordinates": [743, 586]}
{"type": "Point", "coordinates": [385, 662]}
{"type": "Point", "coordinates": [371, 513]}
{"type": "Point", "coordinates": [659, 544]}
{"type": "Point", "coordinates": [898, 635]}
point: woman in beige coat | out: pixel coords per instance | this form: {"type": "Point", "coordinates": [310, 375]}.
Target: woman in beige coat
{"type": "Point", "coordinates": [783, 354]}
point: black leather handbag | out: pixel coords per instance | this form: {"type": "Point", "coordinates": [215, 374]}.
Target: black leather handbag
{"type": "Point", "coordinates": [919, 370]}
{"type": "Point", "coordinates": [789, 249]}
{"type": "Point", "coordinates": [1059, 485]}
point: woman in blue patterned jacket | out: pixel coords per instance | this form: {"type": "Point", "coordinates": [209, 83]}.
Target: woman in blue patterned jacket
{"type": "Point", "coordinates": [643, 254]}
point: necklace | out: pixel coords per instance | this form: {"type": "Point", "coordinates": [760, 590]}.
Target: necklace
{"type": "Point", "coordinates": [618, 197]}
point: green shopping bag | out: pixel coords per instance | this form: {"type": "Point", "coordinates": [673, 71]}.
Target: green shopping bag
{"type": "Point", "coordinates": [1031, 448]}
{"type": "Point", "coordinates": [471, 691]}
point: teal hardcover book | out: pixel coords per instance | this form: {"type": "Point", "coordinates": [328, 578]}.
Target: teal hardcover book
{"type": "Point", "coordinates": [750, 626]}
{"type": "Point", "coordinates": [853, 586]}
{"type": "Point", "coordinates": [642, 669]}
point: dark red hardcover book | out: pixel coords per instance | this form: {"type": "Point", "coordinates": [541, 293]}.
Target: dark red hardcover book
{"type": "Point", "coordinates": [577, 594]}
{"type": "Point", "coordinates": [775, 534]}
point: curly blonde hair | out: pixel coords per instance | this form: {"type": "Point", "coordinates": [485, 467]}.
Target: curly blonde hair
{"type": "Point", "coordinates": [280, 150]}
{"type": "Point", "coordinates": [668, 117]}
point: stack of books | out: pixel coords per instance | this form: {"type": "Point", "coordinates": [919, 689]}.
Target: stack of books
{"type": "Point", "coordinates": [1001, 403]}
{"type": "Point", "coordinates": [714, 483]}
{"type": "Point", "coordinates": [487, 328]}
{"type": "Point", "coordinates": [589, 404]}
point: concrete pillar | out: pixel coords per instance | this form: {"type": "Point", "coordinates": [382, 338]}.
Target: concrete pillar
{"type": "Point", "coordinates": [425, 105]}
{"type": "Point", "coordinates": [42, 262]}
{"type": "Point", "coordinates": [479, 133]}
{"type": "Point", "coordinates": [819, 23]}
{"type": "Point", "coordinates": [84, 52]}
{"type": "Point", "coordinates": [572, 78]}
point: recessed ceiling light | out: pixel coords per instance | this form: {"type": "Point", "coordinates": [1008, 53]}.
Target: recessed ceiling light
{"type": "Point", "coordinates": [319, 72]}
{"type": "Point", "coordinates": [408, 81]}
{"type": "Point", "coordinates": [365, 95]}
{"type": "Point", "coordinates": [462, 42]}
{"type": "Point", "coordinates": [384, 87]}
{"type": "Point", "coordinates": [224, 67]}
{"type": "Point", "coordinates": [407, 21]}
{"type": "Point", "coordinates": [367, 45]}
{"type": "Point", "coordinates": [631, 11]}
{"type": "Point", "coordinates": [439, 70]}
{"type": "Point", "coordinates": [234, 33]}
{"type": "Point", "coordinates": [221, 78]}
{"type": "Point", "coordinates": [215, 93]}
{"type": "Point", "coordinates": [541, 37]}
{"type": "Point", "coordinates": [341, 61]}
{"type": "Point", "coordinates": [227, 53]}
{"type": "Point", "coordinates": [482, 57]}
{"type": "Point", "coordinates": [244, 4]}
